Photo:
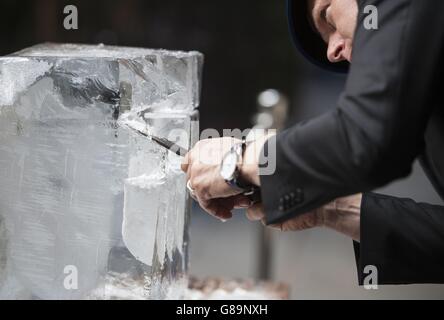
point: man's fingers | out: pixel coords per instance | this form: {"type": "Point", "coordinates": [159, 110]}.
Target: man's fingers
{"type": "Point", "coordinates": [240, 201]}
{"type": "Point", "coordinates": [256, 212]}
{"type": "Point", "coordinates": [185, 163]}
{"type": "Point", "coordinates": [218, 209]}
{"type": "Point", "coordinates": [234, 202]}
{"type": "Point", "coordinates": [222, 208]}
{"type": "Point", "coordinates": [273, 226]}
{"type": "Point", "coordinates": [223, 214]}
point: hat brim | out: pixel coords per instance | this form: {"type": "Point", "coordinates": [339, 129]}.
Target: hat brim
{"type": "Point", "coordinates": [307, 40]}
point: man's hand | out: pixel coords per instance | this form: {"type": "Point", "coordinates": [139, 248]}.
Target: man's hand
{"type": "Point", "coordinates": [202, 166]}
{"type": "Point", "coordinates": [341, 215]}
{"type": "Point", "coordinates": [305, 221]}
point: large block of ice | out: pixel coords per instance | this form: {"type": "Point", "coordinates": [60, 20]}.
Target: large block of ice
{"type": "Point", "coordinates": [156, 79]}
{"type": "Point", "coordinates": [81, 213]}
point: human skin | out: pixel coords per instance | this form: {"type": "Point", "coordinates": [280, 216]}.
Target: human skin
{"type": "Point", "coordinates": [335, 21]}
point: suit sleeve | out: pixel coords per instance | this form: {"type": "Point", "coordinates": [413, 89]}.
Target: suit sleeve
{"type": "Point", "coordinates": [403, 239]}
{"type": "Point", "coordinates": [376, 130]}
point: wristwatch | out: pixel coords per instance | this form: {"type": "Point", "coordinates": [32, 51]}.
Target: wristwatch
{"type": "Point", "coordinates": [230, 171]}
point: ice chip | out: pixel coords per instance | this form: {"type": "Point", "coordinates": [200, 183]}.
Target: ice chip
{"type": "Point", "coordinates": [144, 201]}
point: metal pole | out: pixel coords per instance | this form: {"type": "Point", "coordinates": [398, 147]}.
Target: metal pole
{"type": "Point", "coordinates": [272, 113]}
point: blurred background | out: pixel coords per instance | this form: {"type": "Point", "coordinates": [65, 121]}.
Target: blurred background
{"type": "Point", "coordinates": [247, 52]}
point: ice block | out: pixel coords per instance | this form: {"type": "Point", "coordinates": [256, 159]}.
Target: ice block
{"type": "Point", "coordinates": [79, 216]}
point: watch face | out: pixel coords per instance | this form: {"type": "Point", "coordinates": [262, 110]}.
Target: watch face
{"type": "Point", "coordinates": [228, 167]}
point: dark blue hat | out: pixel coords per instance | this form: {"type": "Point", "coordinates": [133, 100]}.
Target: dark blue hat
{"type": "Point", "coordinates": [307, 40]}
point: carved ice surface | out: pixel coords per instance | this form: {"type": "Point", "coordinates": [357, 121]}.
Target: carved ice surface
{"type": "Point", "coordinates": [145, 200]}
{"type": "Point", "coordinates": [19, 74]}
{"type": "Point", "coordinates": [159, 79]}
{"type": "Point", "coordinates": [89, 208]}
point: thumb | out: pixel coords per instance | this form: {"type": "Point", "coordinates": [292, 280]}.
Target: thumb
{"type": "Point", "coordinates": [256, 212]}
{"type": "Point", "coordinates": [185, 163]}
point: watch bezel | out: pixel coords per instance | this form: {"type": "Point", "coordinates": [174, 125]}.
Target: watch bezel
{"type": "Point", "coordinates": [234, 180]}
{"type": "Point", "coordinates": [224, 164]}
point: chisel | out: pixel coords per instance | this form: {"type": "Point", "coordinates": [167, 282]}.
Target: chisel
{"type": "Point", "coordinates": [167, 144]}
{"type": "Point", "coordinates": [254, 194]}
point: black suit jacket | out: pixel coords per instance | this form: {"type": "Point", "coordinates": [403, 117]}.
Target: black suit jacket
{"type": "Point", "coordinates": [389, 114]}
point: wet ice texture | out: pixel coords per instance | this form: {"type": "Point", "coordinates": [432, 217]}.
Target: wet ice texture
{"type": "Point", "coordinates": [73, 180]}
{"type": "Point", "coordinates": [145, 200]}
{"type": "Point", "coordinates": [159, 79]}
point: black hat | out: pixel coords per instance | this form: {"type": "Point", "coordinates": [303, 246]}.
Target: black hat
{"type": "Point", "coordinates": [307, 40]}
